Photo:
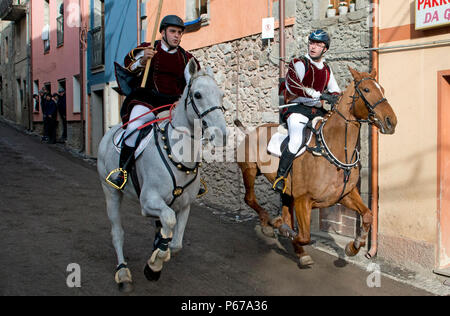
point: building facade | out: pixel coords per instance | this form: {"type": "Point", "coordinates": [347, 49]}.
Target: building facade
{"type": "Point", "coordinates": [414, 69]}
{"type": "Point", "coordinates": [57, 59]}
{"type": "Point", "coordinates": [15, 97]}
{"type": "Point", "coordinates": [113, 32]}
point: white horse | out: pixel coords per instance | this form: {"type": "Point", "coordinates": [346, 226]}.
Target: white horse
{"type": "Point", "coordinates": [168, 185]}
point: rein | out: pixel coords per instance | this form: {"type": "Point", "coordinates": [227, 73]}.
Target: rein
{"type": "Point", "coordinates": [179, 190]}
{"type": "Point", "coordinates": [195, 108]}
{"type": "Point", "coordinates": [322, 147]}
{"type": "Point", "coordinates": [146, 124]}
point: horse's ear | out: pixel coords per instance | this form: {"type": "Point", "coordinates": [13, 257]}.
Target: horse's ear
{"type": "Point", "coordinates": [190, 70]}
{"type": "Point", "coordinates": [356, 75]}
{"type": "Point", "coordinates": [209, 71]}
{"type": "Point", "coordinates": [373, 74]}
{"type": "Point", "coordinates": [192, 66]}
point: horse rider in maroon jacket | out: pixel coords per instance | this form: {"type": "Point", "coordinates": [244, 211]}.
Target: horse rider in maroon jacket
{"type": "Point", "coordinates": [165, 84]}
{"type": "Point", "coordinates": [308, 81]}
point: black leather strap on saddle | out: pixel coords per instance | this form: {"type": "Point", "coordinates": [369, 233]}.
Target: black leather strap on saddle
{"type": "Point", "coordinates": [133, 173]}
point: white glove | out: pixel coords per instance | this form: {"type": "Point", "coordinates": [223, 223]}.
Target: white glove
{"type": "Point", "coordinates": [313, 93]}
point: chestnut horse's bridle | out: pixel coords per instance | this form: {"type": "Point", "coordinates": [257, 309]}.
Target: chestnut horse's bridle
{"type": "Point", "coordinates": [321, 146]}
{"type": "Point", "coordinates": [371, 108]}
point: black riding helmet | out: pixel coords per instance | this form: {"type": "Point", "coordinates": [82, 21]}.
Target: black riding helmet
{"type": "Point", "coordinates": [171, 20]}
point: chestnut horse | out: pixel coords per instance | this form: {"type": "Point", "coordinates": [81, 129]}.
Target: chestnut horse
{"type": "Point", "coordinates": [328, 176]}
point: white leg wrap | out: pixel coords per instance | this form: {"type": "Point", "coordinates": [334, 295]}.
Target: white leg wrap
{"type": "Point", "coordinates": [123, 275]}
{"type": "Point", "coordinates": [157, 259]}
{"type": "Point", "coordinates": [159, 256]}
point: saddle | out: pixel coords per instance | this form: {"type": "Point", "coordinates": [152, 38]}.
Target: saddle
{"type": "Point", "coordinates": [280, 140]}
{"type": "Point", "coordinates": [142, 141]}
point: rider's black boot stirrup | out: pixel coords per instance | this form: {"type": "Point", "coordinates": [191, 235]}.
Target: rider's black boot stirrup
{"type": "Point", "coordinates": [283, 169]}
{"type": "Point", "coordinates": [118, 177]}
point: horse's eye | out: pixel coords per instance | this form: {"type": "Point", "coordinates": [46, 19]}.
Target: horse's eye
{"type": "Point", "coordinates": [366, 90]}
{"type": "Point", "coordinates": [197, 95]}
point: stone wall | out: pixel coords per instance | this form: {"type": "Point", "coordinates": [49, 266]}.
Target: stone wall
{"type": "Point", "coordinates": [8, 104]}
{"type": "Point", "coordinates": [247, 69]}
{"type": "Point", "coordinates": [14, 72]}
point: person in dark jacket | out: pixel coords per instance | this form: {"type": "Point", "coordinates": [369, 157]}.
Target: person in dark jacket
{"type": "Point", "coordinates": [43, 101]}
{"type": "Point", "coordinates": [49, 110]}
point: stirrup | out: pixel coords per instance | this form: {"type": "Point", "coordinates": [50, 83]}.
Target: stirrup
{"type": "Point", "coordinates": [274, 187]}
{"type": "Point", "coordinates": [125, 178]}
{"type": "Point", "coordinates": [203, 190]}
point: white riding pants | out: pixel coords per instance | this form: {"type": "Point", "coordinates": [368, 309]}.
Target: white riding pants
{"type": "Point", "coordinates": [296, 123]}
{"type": "Point", "coordinates": [137, 111]}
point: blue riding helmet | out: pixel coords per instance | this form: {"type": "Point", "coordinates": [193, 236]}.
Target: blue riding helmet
{"type": "Point", "coordinates": [320, 36]}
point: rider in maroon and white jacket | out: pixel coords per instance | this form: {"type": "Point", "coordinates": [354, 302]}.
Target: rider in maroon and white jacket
{"type": "Point", "coordinates": [309, 80]}
{"type": "Point", "coordinates": [165, 84]}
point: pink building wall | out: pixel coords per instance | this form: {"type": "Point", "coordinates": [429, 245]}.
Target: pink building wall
{"type": "Point", "coordinates": [60, 62]}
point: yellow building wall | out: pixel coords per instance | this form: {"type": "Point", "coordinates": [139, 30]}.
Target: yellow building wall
{"type": "Point", "coordinates": [408, 159]}
{"type": "Point", "coordinates": [396, 13]}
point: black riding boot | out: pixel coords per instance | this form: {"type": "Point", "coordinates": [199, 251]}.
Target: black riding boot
{"type": "Point", "coordinates": [119, 179]}
{"type": "Point", "coordinates": [283, 169]}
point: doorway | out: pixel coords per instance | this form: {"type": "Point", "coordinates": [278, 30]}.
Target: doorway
{"type": "Point", "coordinates": [97, 120]}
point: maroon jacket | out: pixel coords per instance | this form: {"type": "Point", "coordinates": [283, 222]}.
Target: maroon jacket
{"type": "Point", "coordinates": [166, 73]}
{"type": "Point", "coordinates": [314, 78]}
{"type": "Point", "coordinates": [165, 81]}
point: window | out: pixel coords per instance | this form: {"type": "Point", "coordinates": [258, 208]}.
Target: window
{"type": "Point", "coordinates": [98, 35]}
{"type": "Point", "coordinates": [46, 29]}
{"type": "Point", "coordinates": [60, 24]}
{"type": "Point", "coordinates": [19, 91]}
{"type": "Point", "coordinates": [6, 50]}
{"type": "Point", "coordinates": [76, 95]}
{"type": "Point", "coordinates": [48, 86]}
{"type": "Point", "coordinates": [143, 20]}
{"type": "Point", "coordinates": [196, 13]}
{"type": "Point", "coordinates": [17, 37]}
{"type": "Point", "coordinates": [36, 92]}
{"type": "Point", "coordinates": [341, 7]}
{"type": "Point", "coordinates": [61, 84]}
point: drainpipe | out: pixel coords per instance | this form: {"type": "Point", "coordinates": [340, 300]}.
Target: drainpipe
{"type": "Point", "coordinates": [282, 38]}
{"type": "Point", "coordinates": [82, 81]}
{"type": "Point", "coordinates": [374, 140]}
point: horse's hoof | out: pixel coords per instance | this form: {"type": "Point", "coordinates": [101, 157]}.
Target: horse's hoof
{"type": "Point", "coordinates": [350, 250]}
{"type": "Point", "coordinates": [150, 274]}
{"type": "Point", "coordinates": [276, 222]}
{"type": "Point", "coordinates": [268, 231]}
{"type": "Point", "coordinates": [306, 261]}
{"type": "Point", "coordinates": [126, 287]}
